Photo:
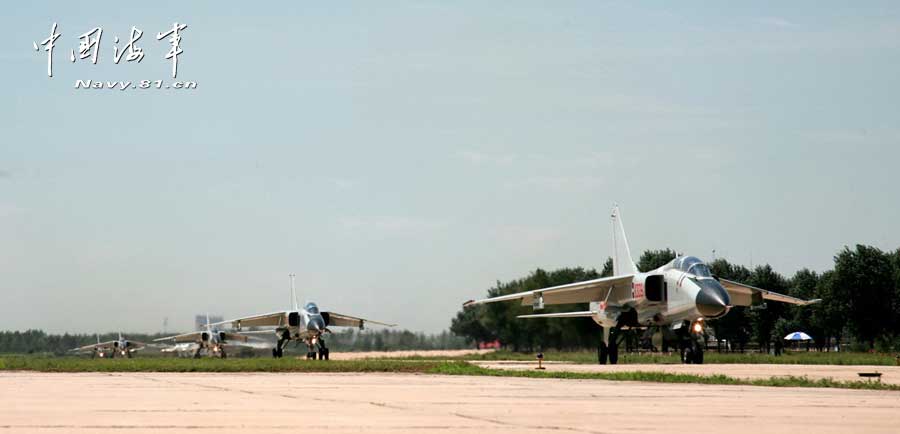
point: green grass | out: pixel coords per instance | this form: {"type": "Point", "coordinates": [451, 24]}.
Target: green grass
{"type": "Point", "coordinates": [446, 367]}
{"type": "Point", "coordinates": [789, 358]}
{"type": "Point", "coordinates": [464, 368]}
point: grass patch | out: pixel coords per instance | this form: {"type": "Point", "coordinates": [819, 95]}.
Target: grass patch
{"type": "Point", "coordinates": [464, 368]}
{"type": "Point", "coordinates": [438, 367]}
{"type": "Point", "coordinates": [590, 357]}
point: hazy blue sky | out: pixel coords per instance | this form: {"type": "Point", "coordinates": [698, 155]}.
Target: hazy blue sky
{"type": "Point", "coordinates": [401, 157]}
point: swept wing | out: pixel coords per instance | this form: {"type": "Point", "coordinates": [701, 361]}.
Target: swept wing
{"type": "Point", "coordinates": [578, 292]}
{"type": "Point", "coordinates": [746, 295]}
{"type": "Point", "coordinates": [341, 320]}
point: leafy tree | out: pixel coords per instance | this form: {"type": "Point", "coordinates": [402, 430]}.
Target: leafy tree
{"type": "Point", "coordinates": [607, 268]}
{"type": "Point", "coordinates": [868, 275]}
{"type": "Point", "coordinates": [733, 327]}
{"type": "Point", "coordinates": [468, 324]}
{"type": "Point", "coordinates": [831, 313]}
{"type": "Point", "coordinates": [804, 285]}
{"type": "Point", "coordinates": [763, 319]}
{"type": "Point", "coordinates": [653, 259]}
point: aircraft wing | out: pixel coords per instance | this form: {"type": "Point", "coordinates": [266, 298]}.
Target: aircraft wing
{"type": "Point", "coordinates": [746, 295]}
{"type": "Point", "coordinates": [274, 319]}
{"type": "Point", "coordinates": [578, 292]}
{"type": "Point", "coordinates": [94, 346]}
{"type": "Point", "coordinates": [341, 320]}
{"type": "Point", "coordinates": [581, 314]}
{"type": "Point", "coordinates": [185, 337]}
{"type": "Point", "coordinates": [232, 337]}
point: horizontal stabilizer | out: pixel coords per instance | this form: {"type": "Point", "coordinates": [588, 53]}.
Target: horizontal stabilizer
{"type": "Point", "coordinates": [585, 313]}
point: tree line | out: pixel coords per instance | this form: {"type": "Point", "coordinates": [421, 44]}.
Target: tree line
{"type": "Point", "coordinates": [40, 342]}
{"type": "Point", "coordinates": [860, 302]}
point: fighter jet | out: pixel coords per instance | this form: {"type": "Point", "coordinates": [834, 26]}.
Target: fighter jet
{"type": "Point", "coordinates": [307, 324]}
{"type": "Point", "coordinates": [186, 349]}
{"type": "Point", "coordinates": [212, 340]}
{"type": "Point", "coordinates": [121, 346]}
{"type": "Point", "coordinates": [676, 299]}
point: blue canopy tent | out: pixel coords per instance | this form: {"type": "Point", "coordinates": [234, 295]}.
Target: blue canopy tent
{"type": "Point", "coordinates": [798, 336]}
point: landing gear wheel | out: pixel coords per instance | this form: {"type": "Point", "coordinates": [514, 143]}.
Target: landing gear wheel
{"type": "Point", "coordinates": [613, 352]}
{"type": "Point", "coordinates": [323, 350]}
{"type": "Point", "coordinates": [222, 354]}
{"type": "Point", "coordinates": [692, 352]}
{"type": "Point", "coordinates": [613, 347]}
{"type": "Point", "coordinates": [311, 355]}
{"type": "Point", "coordinates": [602, 353]}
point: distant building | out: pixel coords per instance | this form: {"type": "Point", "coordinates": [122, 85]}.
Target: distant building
{"type": "Point", "coordinates": [200, 320]}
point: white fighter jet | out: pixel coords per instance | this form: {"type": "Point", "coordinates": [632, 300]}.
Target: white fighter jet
{"type": "Point", "coordinates": [676, 298]}
{"type": "Point", "coordinates": [122, 347]}
{"type": "Point", "coordinates": [307, 324]}
{"type": "Point", "coordinates": [212, 340]}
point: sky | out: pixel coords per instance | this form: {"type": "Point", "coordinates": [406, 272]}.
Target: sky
{"type": "Point", "coordinates": [402, 157]}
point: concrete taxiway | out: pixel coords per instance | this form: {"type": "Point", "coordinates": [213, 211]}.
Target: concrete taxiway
{"type": "Point", "coordinates": [383, 403]}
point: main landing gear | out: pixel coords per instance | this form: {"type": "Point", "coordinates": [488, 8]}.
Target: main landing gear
{"type": "Point", "coordinates": [283, 339]}
{"type": "Point", "coordinates": [608, 350]}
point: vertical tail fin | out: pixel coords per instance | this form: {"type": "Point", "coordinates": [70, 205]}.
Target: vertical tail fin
{"type": "Point", "coordinates": [625, 265]}
{"type": "Point", "coordinates": [207, 321]}
{"type": "Point", "coordinates": [294, 293]}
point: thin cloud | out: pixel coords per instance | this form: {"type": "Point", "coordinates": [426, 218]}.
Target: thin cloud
{"type": "Point", "coordinates": [389, 224]}
{"type": "Point", "coordinates": [480, 158]}
{"type": "Point", "coordinates": [778, 22]}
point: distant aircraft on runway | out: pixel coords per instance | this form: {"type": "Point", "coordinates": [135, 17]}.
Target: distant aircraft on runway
{"type": "Point", "coordinates": [307, 324]}
{"type": "Point", "coordinates": [212, 340]}
{"type": "Point", "coordinates": [121, 346]}
{"type": "Point", "coordinates": [675, 299]}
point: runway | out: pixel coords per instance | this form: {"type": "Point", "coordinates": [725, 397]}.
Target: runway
{"type": "Point", "coordinates": [391, 403]}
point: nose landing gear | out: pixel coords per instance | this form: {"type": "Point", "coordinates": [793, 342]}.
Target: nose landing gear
{"type": "Point", "coordinates": [691, 349]}
{"type": "Point", "coordinates": [318, 350]}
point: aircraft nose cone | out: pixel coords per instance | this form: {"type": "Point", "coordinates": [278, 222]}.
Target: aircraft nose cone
{"type": "Point", "coordinates": [316, 323]}
{"type": "Point", "coordinates": [712, 299]}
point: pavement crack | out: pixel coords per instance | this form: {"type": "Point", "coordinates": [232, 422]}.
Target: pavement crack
{"type": "Point", "coordinates": [521, 425]}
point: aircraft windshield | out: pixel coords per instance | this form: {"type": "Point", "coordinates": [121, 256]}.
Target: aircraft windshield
{"type": "Point", "coordinates": [312, 308]}
{"type": "Point", "coordinates": [700, 270]}
{"type": "Point", "coordinates": [693, 265]}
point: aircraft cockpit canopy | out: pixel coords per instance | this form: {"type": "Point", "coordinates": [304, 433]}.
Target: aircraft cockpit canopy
{"type": "Point", "coordinates": [312, 308]}
{"type": "Point", "coordinates": [692, 265]}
